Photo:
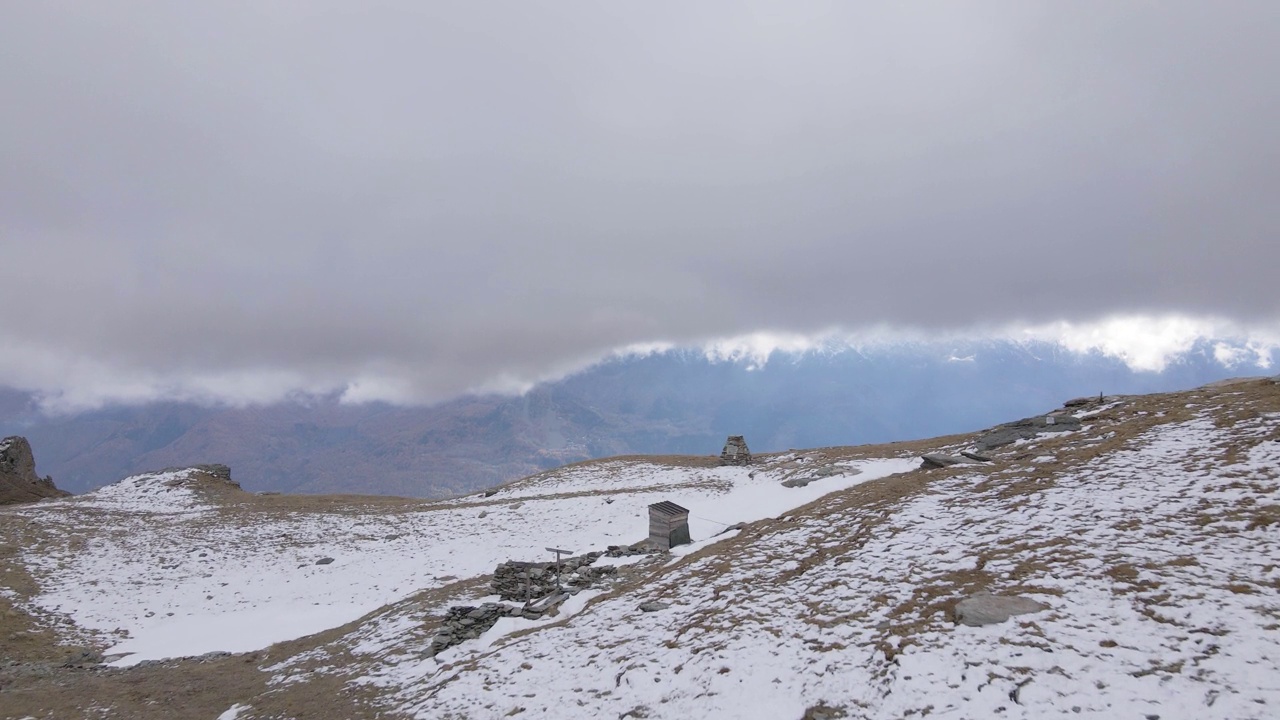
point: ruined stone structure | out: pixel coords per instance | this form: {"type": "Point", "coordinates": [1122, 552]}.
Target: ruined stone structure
{"type": "Point", "coordinates": [668, 525]}
{"type": "Point", "coordinates": [522, 581]}
{"type": "Point", "coordinates": [540, 586]}
{"type": "Point", "coordinates": [735, 452]}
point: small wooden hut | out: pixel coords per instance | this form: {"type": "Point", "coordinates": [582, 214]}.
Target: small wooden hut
{"type": "Point", "coordinates": [668, 525]}
{"type": "Point", "coordinates": [735, 451]}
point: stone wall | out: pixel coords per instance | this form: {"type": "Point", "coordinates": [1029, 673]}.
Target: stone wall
{"type": "Point", "coordinates": [520, 581]}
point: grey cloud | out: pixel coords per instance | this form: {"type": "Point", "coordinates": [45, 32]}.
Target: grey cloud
{"type": "Point", "coordinates": [445, 194]}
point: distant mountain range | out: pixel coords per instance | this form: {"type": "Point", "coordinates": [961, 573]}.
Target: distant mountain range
{"type": "Point", "coordinates": [677, 401]}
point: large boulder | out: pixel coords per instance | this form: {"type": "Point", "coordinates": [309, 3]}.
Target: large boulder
{"type": "Point", "coordinates": [19, 482]}
{"type": "Point", "coordinates": [987, 609]}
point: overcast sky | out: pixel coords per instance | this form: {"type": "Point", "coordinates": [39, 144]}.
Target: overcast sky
{"type": "Point", "coordinates": [414, 199]}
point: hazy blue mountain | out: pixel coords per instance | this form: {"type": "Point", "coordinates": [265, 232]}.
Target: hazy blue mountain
{"type": "Point", "coordinates": [670, 402]}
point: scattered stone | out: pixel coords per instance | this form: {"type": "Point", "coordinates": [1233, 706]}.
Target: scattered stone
{"type": "Point", "coordinates": [735, 451]}
{"type": "Point", "coordinates": [324, 561]}
{"type": "Point", "coordinates": [483, 514]}
{"type": "Point", "coordinates": [938, 460]}
{"type": "Point", "coordinates": [987, 609]}
{"type": "Point", "coordinates": [653, 606]}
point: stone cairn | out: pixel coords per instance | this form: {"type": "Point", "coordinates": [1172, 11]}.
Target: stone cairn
{"type": "Point", "coordinates": [541, 586]}
{"type": "Point", "coordinates": [735, 451]}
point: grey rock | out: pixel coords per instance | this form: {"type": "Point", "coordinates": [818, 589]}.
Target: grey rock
{"type": "Point", "coordinates": [653, 606]}
{"type": "Point", "coordinates": [987, 609]}
{"type": "Point", "coordinates": [938, 460]}
{"type": "Point", "coordinates": [975, 456]}
{"type": "Point", "coordinates": [324, 561]}
{"type": "Point", "coordinates": [797, 482]}
{"type": "Point", "coordinates": [483, 513]}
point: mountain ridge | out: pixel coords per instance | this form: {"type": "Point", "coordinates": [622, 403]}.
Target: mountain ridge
{"type": "Point", "coordinates": [677, 401]}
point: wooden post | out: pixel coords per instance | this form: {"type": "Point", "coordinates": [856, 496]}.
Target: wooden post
{"type": "Point", "coordinates": [558, 551]}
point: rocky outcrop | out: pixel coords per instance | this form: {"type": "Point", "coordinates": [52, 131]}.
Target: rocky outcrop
{"type": "Point", "coordinates": [19, 482]}
{"type": "Point", "coordinates": [987, 609]}
{"type": "Point", "coordinates": [818, 474]}
{"type": "Point", "coordinates": [1027, 429]}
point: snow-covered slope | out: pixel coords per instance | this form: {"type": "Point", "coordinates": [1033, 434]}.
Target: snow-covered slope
{"type": "Point", "coordinates": [1151, 536]}
{"type": "Point", "coordinates": [168, 571]}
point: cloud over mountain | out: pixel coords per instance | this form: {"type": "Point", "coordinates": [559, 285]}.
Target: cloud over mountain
{"type": "Point", "coordinates": [407, 201]}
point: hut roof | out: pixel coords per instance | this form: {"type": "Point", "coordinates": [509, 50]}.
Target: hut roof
{"type": "Point", "coordinates": [666, 507]}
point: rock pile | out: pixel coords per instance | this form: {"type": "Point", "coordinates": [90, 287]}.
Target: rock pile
{"type": "Point", "coordinates": [618, 551]}
{"type": "Point", "coordinates": [515, 580]}
{"type": "Point", "coordinates": [467, 622]}
{"type": "Point", "coordinates": [18, 479]}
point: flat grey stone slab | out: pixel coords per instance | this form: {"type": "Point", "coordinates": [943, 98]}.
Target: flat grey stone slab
{"type": "Point", "coordinates": [986, 609]}
{"type": "Point", "coordinates": [938, 460]}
